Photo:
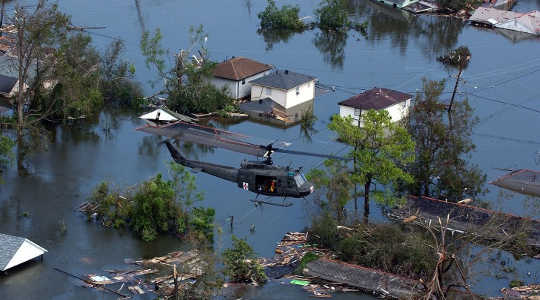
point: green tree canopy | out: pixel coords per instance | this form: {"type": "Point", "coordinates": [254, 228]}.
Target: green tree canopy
{"type": "Point", "coordinates": [333, 15]}
{"type": "Point", "coordinates": [284, 18]}
{"type": "Point", "coordinates": [240, 263]}
{"type": "Point", "coordinates": [381, 151]}
{"type": "Point", "coordinates": [443, 148]}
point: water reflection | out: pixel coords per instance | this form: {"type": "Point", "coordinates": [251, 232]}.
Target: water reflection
{"type": "Point", "coordinates": [332, 44]}
{"type": "Point", "coordinates": [272, 37]}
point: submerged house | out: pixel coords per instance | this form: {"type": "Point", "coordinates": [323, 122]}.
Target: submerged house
{"type": "Point", "coordinates": [164, 115]}
{"type": "Point", "coordinates": [396, 103]}
{"type": "Point", "coordinates": [16, 250]}
{"type": "Point", "coordinates": [282, 95]}
{"type": "Point", "coordinates": [495, 18]}
{"type": "Point", "coordinates": [286, 88]}
{"type": "Point", "coordinates": [398, 3]}
{"type": "Point", "coordinates": [236, 74]}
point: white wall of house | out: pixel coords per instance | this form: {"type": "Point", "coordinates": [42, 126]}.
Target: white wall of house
{"type": "Point", "coordinates": [397, 111]}
{"type": "Point", "coordinates": [261, 92]}
{"type": "Point", "coordinates": [300, 94]}
{"type": "Point", "coordinates": [237, 89]}
{"type": "Point", "coordinates": [232, 86]}
{"type": "Point", "coordinates": [287, 99]}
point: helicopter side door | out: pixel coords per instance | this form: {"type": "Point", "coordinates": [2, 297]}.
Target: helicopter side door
{"type": "Point", "coordinates": [267, 185]}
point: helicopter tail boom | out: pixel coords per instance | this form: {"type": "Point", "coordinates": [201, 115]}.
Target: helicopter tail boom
{"type": "Point", "coordinates": [175, 154]}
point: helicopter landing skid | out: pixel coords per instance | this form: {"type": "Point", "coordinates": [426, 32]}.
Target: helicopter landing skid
{"type": "Point", "coordinates": [261, 202]}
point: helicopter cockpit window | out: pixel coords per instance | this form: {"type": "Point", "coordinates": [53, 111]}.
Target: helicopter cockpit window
{"type": "Point", "coordinates": [300, 179]}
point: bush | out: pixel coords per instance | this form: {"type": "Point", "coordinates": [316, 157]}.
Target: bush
{"type": "Point", "coordinates": [156, 206]}
{"type": "Point", "coordinates": [332, 15]}
{"type": "Point", "coordinates": [285, 18]}
{"type": "Point", "coordinates": [308, 257]}
{"type": "Point", "coordinates": [240, 263]}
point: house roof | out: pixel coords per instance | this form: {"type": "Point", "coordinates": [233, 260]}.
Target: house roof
{"type": "Point", "coordinates": [166, 114]}
{"type": "Point", "coordinates": [265, 105]}
{"type": "Point", "coordinates": [283, 79]}
{"type": "Point", "coordinates": [528, 22]}
{"type": "Point", "coordinates": [239, 68]}
{"type": "Point", "coordinates": [8, 247]}
{"type": "Point", "coordinates": [376, 98]}
{"type": "Point", "coordinates": [492, 16]}
{"type": "Point", "coordinates": [7, 83]}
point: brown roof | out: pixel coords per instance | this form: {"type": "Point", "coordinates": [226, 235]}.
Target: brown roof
{"type": "Point", "coordinates": [376, 98]}
{"type": "Point", "coordinates": [239, 68]}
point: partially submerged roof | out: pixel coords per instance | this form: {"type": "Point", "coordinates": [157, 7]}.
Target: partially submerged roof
{"type": "Point", "coordinates": [165, 114]}
{"type": "Point", "coordinates": [492, 16]}
{"type": "Point", "coordinates": [528, 22]}
{"type": "Point", "coordinates": [239, 68]}
{"type": "Point", "coordinates": [523, 181]}
{"type": "Point", "coordinates": [376, 98]}
{"type": "Point", "coordinates": [283, 79]}
{"type": "Point", "coordinates": [16, 250]}
{"type": "Point", "coordinates": [266, 105]}
{"type": "Point", "coordinates": [6, 84]}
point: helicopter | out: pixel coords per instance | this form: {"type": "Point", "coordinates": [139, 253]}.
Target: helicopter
{"type": "Point", "coordinates": [260, 176]}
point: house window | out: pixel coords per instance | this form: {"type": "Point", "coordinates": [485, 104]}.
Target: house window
{"type": "Point", "coordinates": [357, 112]}
{"type": "Point", "coordinates": [298, 90]}
{"type": "Point", "coordinates": [244, 81]}
{"type": "Point", "coordinates": [268, 91]}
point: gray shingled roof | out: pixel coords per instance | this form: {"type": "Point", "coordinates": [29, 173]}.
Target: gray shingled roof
{"type": "Point", "coordinates": [8, 247]}
{"type": "Point", "coordinates": [284, 80]}
{"type": "Point", "coordinates": [7, 83]}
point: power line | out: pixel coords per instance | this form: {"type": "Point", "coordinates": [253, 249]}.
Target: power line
{"type": "Point", "coordinates": [506, 103]}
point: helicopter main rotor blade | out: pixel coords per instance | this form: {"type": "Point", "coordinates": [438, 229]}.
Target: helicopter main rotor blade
{"type": "Point", "coordinates": [310, 154]}
{"type": "Point", "coordinates": [205, 137]}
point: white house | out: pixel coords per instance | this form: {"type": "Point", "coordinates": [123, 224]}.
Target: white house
{"type": "Point", "coordinates": [16, 250]}
{"type": "Point", "coordinates": [236, 74]}
{"type": "Point", "coordinates": [396, 103]}
{"type": "Point", "coordinates": [286, 88]}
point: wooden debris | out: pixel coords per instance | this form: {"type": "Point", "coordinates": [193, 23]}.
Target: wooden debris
{"type": "Point", "coordinates": [531, 292]}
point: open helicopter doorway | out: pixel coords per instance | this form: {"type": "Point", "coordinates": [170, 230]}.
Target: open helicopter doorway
{"type": "Point", "coordinates": [266, 184]}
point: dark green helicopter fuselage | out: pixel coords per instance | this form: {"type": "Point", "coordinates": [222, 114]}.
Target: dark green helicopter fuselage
{"type": "Point", "coordinates": [255, 176]}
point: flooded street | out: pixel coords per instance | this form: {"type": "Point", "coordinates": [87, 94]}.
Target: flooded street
{"type": "Point", "coordinates": [400, 49]}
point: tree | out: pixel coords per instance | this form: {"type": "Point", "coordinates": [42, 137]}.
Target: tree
{"type": "Point", "coordinates": [381, 150]}
{"type": "Point", "coordinates": [285, 18]}
{"type": "Point", "coordinates": [337, 184]}
{"type": "Point", "coordinates": [187, 83]}
{"type": "Point", "coordinates": [6, 154]}
{"type": "Point", "coordinates": [333, 15]}
{"type": "Point", "coordinates": [441, 169]}
{"type": "Point", "coordinates": [240, 263]}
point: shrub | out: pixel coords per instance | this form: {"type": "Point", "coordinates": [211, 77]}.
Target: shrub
{"type": "Point", "coordinates": [240, 263]}
{"type": "Point", "coordinates": [285, 18]}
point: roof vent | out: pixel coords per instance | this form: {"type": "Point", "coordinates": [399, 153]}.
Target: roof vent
{"type": "Point", "coordinates": [286, 71]}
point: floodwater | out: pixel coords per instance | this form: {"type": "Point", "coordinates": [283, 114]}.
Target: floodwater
{"type": "Point", "coordinates": [501, 84]}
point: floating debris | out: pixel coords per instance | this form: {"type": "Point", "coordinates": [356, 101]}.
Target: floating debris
{"type": "Point", "coordinates": [522, 292]}
{"type": "Point", "coordinates": [155, 275]}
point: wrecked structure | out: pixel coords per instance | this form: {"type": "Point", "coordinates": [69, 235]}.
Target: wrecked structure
{"type": "Point", "coordinates": [163, 276]}
{"type": "Point", "coordinates": [483, 225]}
